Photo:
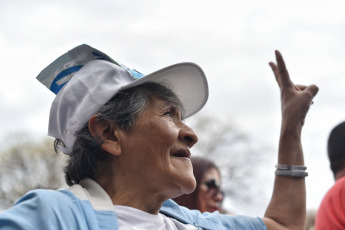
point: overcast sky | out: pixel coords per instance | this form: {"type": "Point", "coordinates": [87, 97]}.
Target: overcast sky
{"type": "Point", "coordinates": [232, 41]}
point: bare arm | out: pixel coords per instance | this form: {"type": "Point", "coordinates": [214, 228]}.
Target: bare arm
{"type": "Point", "coordinates": [287, 208]}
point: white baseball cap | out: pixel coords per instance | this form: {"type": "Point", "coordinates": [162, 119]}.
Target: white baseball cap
{"type": "Point", "coordinates": [84, 79]}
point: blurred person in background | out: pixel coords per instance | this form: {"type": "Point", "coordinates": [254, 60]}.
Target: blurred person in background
{"type": "Point", "coordinates": [311, 215]}
{"type": "Point", "coordinates": [130, 150]}
{"type": "Point", "coordinates": [207, 197]}
{"type": "Point", "coordinates": [331, 213]}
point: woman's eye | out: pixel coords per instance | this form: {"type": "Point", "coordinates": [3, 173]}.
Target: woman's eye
{"type": "Point", "coordinates": [168, 113]}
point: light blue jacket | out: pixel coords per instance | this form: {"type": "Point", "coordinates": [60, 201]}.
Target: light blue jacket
{"type": "Point", "coordinates": [88, 206]}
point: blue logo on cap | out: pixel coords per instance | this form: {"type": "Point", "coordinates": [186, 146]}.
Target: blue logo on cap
{"type": "Point", "coordinates": [134, 73]}
{"type": "Point", "coordinates": [63, 77]}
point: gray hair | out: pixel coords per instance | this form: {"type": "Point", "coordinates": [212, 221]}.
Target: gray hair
{"type": "Point", "coordinates": [88, 158]}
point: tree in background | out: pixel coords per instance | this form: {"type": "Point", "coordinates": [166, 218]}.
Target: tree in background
{"type": "Point", "coordinates": [240, 159]}
{"type": "Point", "coordinates": [26, 164]}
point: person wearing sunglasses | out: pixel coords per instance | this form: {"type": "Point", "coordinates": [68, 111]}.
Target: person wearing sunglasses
{"type": "Point", "coordinates": [207, 197]}
{"type": "Point", "coordinates": [211, 191]}
{"type": "Point", "coordinates": [130, 150]}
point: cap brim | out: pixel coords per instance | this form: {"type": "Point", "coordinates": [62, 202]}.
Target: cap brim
{"type": "Point", "coordinates": [187, 80]}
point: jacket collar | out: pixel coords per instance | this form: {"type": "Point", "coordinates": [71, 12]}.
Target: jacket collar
{"type": "Point", "coordinates": [88, 189]}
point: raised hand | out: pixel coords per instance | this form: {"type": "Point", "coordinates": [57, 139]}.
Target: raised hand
{"type": "Point", "coordinates": [287, 208]}
{"type": "Point", "coordinates": [295, 99]}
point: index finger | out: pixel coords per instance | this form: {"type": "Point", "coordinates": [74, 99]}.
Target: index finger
{"type": "Point", "coordinates": [282, 72]}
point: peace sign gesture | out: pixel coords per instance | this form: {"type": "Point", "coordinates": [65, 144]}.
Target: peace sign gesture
{"type": "Point", "coordinates": [287, 208]}
{"type": "Point", "coordinates": [295, 99]}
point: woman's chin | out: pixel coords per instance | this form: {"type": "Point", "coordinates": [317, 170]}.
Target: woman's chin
{"type": "Point", "coordinates": [189, 187]}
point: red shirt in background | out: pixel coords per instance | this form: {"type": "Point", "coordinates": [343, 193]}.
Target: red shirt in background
{"type": "Point", "coordinates": [331, 213]}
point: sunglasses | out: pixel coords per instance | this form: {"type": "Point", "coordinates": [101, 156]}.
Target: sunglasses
{"type": "Point", "coordinates": [213, 188]}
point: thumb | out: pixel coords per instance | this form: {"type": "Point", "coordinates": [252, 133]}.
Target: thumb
{"type": "Point", "coordinates": [313, 89]}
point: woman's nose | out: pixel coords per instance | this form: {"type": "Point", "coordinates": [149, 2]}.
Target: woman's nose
{"type": "Point", "coordinates": [219, 196]}
{"type": "Point", "coordinates": [187, 135]}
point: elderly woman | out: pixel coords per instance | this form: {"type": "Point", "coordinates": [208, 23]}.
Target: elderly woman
{"type": "Point", "coordinates": [130, 150]}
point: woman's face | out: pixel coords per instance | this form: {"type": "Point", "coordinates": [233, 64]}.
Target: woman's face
{"type": "Point", "coordinates": [156, 151]}
{"type": "Point", "coordinates": [210, 196]}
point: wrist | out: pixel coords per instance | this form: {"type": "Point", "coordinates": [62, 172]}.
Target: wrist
{"type": "Point", "coordinates": [291, 128]}
{"type": "Point", "coordinates": [290, 146]}
{"type": "Point", "coordinates": [293, 119]}
{"type": "Point", "coordinates": [288, 134]}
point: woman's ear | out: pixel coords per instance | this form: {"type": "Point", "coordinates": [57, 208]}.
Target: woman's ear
{"type": "Point", "coordinates": [106, 132]}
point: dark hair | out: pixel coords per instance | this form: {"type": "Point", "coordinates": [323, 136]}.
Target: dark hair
{"type": "Point", "coordinates": [88, 159]}
{"type": "Point", "coordinates": [200, 167]}
{"type": "Point", "coordinates": [336, 148]}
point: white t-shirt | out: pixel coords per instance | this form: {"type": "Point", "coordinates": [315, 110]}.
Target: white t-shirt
{"type": "Point", "coordinates": [134, 219]}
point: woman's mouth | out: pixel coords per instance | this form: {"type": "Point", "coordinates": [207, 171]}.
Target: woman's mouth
{"type": "Point", "coordinates": [181, 153]}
